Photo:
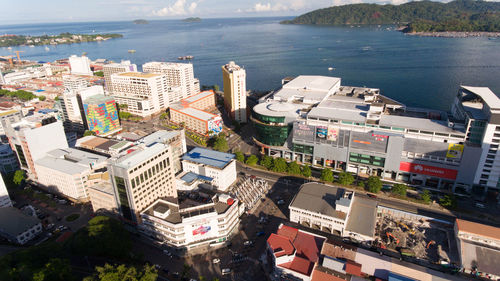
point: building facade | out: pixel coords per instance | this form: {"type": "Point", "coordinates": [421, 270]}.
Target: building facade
{"type": "Point", "coordinates": [175, 139]}
{"type": "Point", "coordinates": [101, 115]}
{"type": "Point", "coordinates": [179, 75]}
{"type": "Point", "coordinates": [102, 197]}
{"type": "Point", "coordinates": [143, 94]}
{"type": "Point", "coordinates": [4, 194]}
{"type": "Point", "coordinates": [80, 65]}
{"type": "Point", "coordinates": [18, 227]}
{"type": "Point", "coordinates": [142, 176]}
{"type": "Point", "coordinates": [235, 91]}
{"type": "Point", "coordinates": [8, 159]}
{"type": "Point", "coordinates": [112, 68]}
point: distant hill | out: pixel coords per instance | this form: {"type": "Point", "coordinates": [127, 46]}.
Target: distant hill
{"type": "Point", "coordinates": [192, 20]}
{"type": "Point", "coordinates": [141, 21]}
{"type": "Point", "coordinates": [421, 16]}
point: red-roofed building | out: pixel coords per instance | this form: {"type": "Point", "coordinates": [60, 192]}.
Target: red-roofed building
{"type": "Point", "coordinates": [319, 275]}
{"type": "Point", "coordinates": [353, 268]}
{"type": "Point", "coordinates": [294, 252]}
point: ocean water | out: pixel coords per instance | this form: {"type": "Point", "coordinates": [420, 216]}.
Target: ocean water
{"type": "Point", "coordinates": [418, 71]}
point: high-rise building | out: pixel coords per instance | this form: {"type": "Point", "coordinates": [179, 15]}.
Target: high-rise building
{"type": "Point", "coordinates": [112, 68]}
{"type": "Point", "coordinates": [73, 82]}
{"type": "Point", "coordinates": [141, 176]}
{"type": "Point", "coordinates": [177, 141]}
{"type": "Point", "coordinates": [73, 111]}
{"type": "Point", "coordinates": [80, 65]}
{"type": "Point", "coordinates": [2, 80]}
{"type": "Point", "coordinates": [101, 115]}
{"type": "Point", "coordinates": [4, 194]}
{"type": "Point", "coordinates": [235, 91]}
{"type": "Point", "coordinates": [178, 75]}
{"type": "Point", "coordinates": [144, 94]}
{"type": "Point", "coordinates": [33, 137]}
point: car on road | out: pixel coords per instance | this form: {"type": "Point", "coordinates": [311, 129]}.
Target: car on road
{"type": "Point", "coordinates": [260, 233]}
{"type": "Point", "coordinates": [166, 252]}
{"type": "Point", "coordinates": [165, 270]}
{"type": "Point", "coordinates": [281, 202]}
{"type": "Point", "coordinates": [480, 205]}
{"type": "Point", "coordinates": [216, 261]}
{"type": "Point", "coordinates": [386, 187]}
{"type": "Point", "coordinates": [248, 243]}
{"type": "Point", "coordinates": [371, 195]}
{"type": "Point", "coordinates": [226, 271]}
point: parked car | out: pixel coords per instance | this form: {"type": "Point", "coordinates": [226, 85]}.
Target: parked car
{"type": "Point", "coordinates": [248, 243]}
{"type": "Point", "coordinates": [226, 271]}
{"type": "Point", "coordinates": [167, 253]}
{"type": "Point", "coordinates": [281, 202]}
{"type": "Point", "coordinates": [260, 233]}
{"type": "Point", "coordinates": [371, 195]}
{"type": "Point", "coordinates": [216, 261]}
{"type": "Point", "coordinates": [480, 205]}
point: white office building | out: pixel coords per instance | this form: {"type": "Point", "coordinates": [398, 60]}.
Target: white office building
{"type": "Point", "coordinates": [144, 94]}
{"type": "Point", "coordinates": [80, 65]}
{"type": "Point", "coordinates": [74, 82]}
{"type": "Point", "coordinates": [72, 106]}
{"type": "Point", "coordinates": [112, 68]}
{"type": "Point", "coordinates": [235, 91]}
{"type": "Point", "coordinates": [33, 137]}
{"type": "Point", "coordinates": [198, 219]}
{"type": "Point", "coordinates": [218, 166]}
{"type": "Point", "coordinates": [179, 75]}
{"type": "Point", "coordinates": [4, 194]}
{"type": "Point", "coordinates": [66, 171]}
{"type": "Point", "coordinates": [18, 227]}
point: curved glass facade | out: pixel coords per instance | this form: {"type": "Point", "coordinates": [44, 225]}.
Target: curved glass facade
{"type": "Point", "coordinates": [266, 133]}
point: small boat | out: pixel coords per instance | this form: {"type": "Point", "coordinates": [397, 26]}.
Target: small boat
{"type": "Point", "coordinates": [330, 68]}
{"type": "Point", "coordinates": [47, 48]}
{"type": "Point", "coordinates": [492, 38]}
{"type": "Point", "coordinates": [185, 58]}
{"type": "Point", "coordinates": [131, 51]}
{"type": "Point", "coordinates": [32, 46]}
{"type": "Point", "coordinates": [84, 53]}
{"type": "Point", "coordinates": [9, 48]}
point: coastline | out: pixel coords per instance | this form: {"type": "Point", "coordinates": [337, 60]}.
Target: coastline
{"type": "Point", "coordinates": [455, 34]}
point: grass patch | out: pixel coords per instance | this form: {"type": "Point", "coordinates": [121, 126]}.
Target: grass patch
{"type": "Point", "coordinates": [72, 217]}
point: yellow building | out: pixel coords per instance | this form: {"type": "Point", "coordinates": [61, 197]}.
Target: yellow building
{"type": "Point", "coordinates": [235, 91]}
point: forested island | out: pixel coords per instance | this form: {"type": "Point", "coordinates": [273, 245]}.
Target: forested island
{"type": "Point", "coordinates": [421, 16]}
{"type": "Point", "coordinates": [11, 40]}
{"type": "Point", "coordinates": [192, 20]}
{"type": "Point", "coordinates": [141, 21]}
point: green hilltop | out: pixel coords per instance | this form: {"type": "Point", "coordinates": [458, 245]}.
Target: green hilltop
{"type": "Point", "coordinates": [421, 16]}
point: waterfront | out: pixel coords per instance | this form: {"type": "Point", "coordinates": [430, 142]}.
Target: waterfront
{"type": "Point", "coordinates": [419, 71]}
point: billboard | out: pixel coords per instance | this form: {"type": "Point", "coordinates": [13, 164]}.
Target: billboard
{"type": "Point", "coordinates": [428, 170]}
{"type": "Point", "coordinates": [215, 126]}
{"type": "Point", "coordinates": [332, 133]}
{"type": "Point", "coordinates": [303, 132]}
{"type": "Point", "coordinates": [455, 151]}
{"type": "Point", "coordinates": [321, 132]}
{"type": "Point", "coordinates": [202, 230]}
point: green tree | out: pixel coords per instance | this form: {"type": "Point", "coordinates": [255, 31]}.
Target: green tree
{"type": "Point", "coordinates": [279, 165]}
{"type": "Point", "coordinates": [124, 115]}
{"type": "Point", "coordinates": [41, 98]}
{"type": "Point", "coordinates": [293, 168]}
{"type": "Point", "coordinates": [19, 177]}
{"type": "Point", "coordinates": [346, 178]}
{"type": "Point", "coordinates": [448, 201]}
{"type": "Point", "coordinates": [55, 270]}
{"type": "Point", "coordinates": [374, 184]}
{"type": "Point", "coordinates": [57, 98]}
{"type": "Point", "coordinates": [266, 161]}
{"type": "Point", "coordinates": [306, 171]}
{"type": "Point", "coordinates": [216, 88]}
{"type": "Point", "coordinates": [163, 116]}
{"type": "Point", "coordinates": [186, 269]}
{"type": "Point", "coordinates": [361, 183]}
{"type": "Point", "coordinates": [326, 175]}
{"type": "Point", "coordinates": [425, 196]}
{"type": "Point", "coordinates": [124, 273]}
{"type": "Point", "coordinates": [88, 133]}
{"type": "Point", "coordinates": [99, 73]}
{"type": "Point", "coordinates": [240, 156]}
{"type": "Point", "coordinates": [399, 189]}
{"type": "Point", "coordinates": [220, 143]}
{"type": "Point", "coordinates": [252, 160]}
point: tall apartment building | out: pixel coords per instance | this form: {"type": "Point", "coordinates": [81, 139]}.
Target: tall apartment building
{"type": "Point", "coordinates": [4, 194]}
{"type": "Point", "coordinates": [33, 137]}
{"type": "Point", "coordinates": [112, 68]}
{"type": "Point", "coordinates": [67, 171]}
{"type": "Point", "coordinates": [80, 65]}
{"type": "Point", "coordinates": [101, 115]}
{"type": "Point", "coordinates": [178, 75]}
{"type": "Point", "coordinates": [144, 93]}
{"type": "Point", "coordinates": [73, 110]}
{"type": "Point", "coordinates": [141, 177]}
{"type": "Point", "coordinates": [315, 120]}
{"type": "Point", "coordinates": [235, 91]}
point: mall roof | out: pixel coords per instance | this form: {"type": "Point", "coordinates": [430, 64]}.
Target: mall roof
{"type": "Point", "coordinates": [313, 82]}
{"type": "Point", "coordinates": [280, 109]}
{"type": "Point", "coordinates": [363, 216]}
{"type": "Point", "coordinates": [318, 198]}
{"type": "Point", "coordinates": [486, 94]}
{"type": "Point", "coordinates": [423, 124]}
{"type": "Point", "coordinates": [13, 222]}
{"type": "Point", "coordinates": [208, 157]}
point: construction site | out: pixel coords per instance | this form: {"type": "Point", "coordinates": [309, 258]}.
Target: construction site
{"type": "Point", "coordinates": [416, 237]}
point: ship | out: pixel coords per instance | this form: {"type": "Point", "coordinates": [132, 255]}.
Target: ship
{"type": "Point", "coordinates": [131, 51]}
{"type": "Point", "coordinates": [185, 58]}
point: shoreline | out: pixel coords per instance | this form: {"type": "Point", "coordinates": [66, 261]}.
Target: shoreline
{"type": "Point", "coordinates": [455, 34]}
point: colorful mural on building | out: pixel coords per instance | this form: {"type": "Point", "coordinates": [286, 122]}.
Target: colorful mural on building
{"type": "Point", "coordinates": [102, 115]}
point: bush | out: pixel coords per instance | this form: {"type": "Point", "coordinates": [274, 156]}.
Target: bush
{"type": "Point", "coordinates": [425, 196]}
{"type": "Point", "coordinates": [266, 161]}
{"type": "Point", "coordinates": [399, 189]}
{"type": "Point", "coordinates": [239, 156]}
{"type": "Point", "coordinates": [279, 165]}
{"type": "Point", "coordinates": [72, 217]}
{"type": "Point", "coordinates": [346, 178]}
{"type": "Point", "coordinates": [448, 201]}
{"type": "Point", "coordinates": [326, 175]}
{"type": "Point", "coordinates": [361, 184]}
{"type": "Point", "coordinates": [19, 177]}
{"type": "Point", "coordinates": [252, 160]}
{"type": "Point", "coordinates": [306, 171]}
{"type": "Point", "coordinates": [293, 168]}
{"type": "Point", "coordinates": [374, 184]}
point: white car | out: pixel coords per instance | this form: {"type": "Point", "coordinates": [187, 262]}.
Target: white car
{"type": "Point", "coordinates": [281, 202]}
{"type": "Point", "coordinates": [248, 243]}
{"type": "Point", "coordinates": [226, 271]}
{"type": "Point", "coordinates": [215, 261]}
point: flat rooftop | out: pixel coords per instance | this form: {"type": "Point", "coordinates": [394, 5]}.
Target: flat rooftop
{"type": "Point", "coordinates": [161, 136]}
{"type": "Point", "coordinates": [208, 157]}
{"type": "Point", "coordinates": [137, 155]}
{"type": "Point", "coordinates": [198, 96]}
{"type": "Point", "coordinates": [486, 95]}
{"type": "Point", "coordinates": [193, 112]}
{"type": "Point", "coordinates": [98, 99]}
{"type": "Point", "coordinates": [70, 160]}
{"type": "Point", "coordinates": [319, 198]}
{"type": "Point", "coordinates": [363, 216]}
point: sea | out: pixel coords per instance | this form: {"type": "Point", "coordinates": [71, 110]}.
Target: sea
{"type": "Point", "coordinates": [417, 71]}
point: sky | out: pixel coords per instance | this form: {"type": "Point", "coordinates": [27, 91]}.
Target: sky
{"type": "Point", "coordinates": [33, 11]}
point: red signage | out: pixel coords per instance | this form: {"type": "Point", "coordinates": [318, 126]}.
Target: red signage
{"type": "Point", "coordinates": [428, 170]}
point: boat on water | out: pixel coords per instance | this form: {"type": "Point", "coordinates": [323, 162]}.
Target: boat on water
{"type": "Point", "coordinates": [47, 48]}
{"type": "Point", "coordinates": [32, 46]}
{"type": "Point", "coordinates": [131, 51]}
{"type": "Point", "coordinates": [330, 68]}
{"type": "Point", "coordinates": [492, 38]}
{"type": "Point", "coordinates": [185, 58]}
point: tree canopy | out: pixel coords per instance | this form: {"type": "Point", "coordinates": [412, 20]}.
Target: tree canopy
{"type": "Point", "coordinates": [374, 184]}
{"type": "Point", "coordinates": [399, 189]}
{"type": "Point", "coordinates": [252, 160]}
{"type": "Point", "coordinates": [346, 178]}
{"type": "Point", "coordinates": [19, 177]}
{"type": "Point", "coordinates": [266, 161]}
{"type": "Point", "coordinates": [306, 171]}
{"type": "Point", "coordinates": [326, 175]}
{"type": "Point", "coordinates": [279, 165]}
{"type": "Point", "coordinates": [220, 143]}
{"type": "Point", "coordinates": [124, 273]}
{"type": "Point", "coordinates": [55, 270]}
{"type": "Point", "coordinates": [240, 156]}
{"type": "Point", "coordinates": [425, 196]}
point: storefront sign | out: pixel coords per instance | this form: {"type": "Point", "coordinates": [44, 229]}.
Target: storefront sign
{"type": "Point", "coordinates": [201, 230]}
{"type": "Point", "coordinates": [428, 170]}
{"type": "Point", "coordinates": [321, 132]}
{"type": "Point", "coordinates": [332, 133]}
{"type": "Point", "coordinates": [455, 151]}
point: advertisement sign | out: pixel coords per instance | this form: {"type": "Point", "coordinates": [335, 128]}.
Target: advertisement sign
{"type": "Point", "coordinates": [428, 170]}
{"type": "Point", "coordinates": [215, 126]}
{"type": "Point", "coordinates": [379, 137]}
{"type": "Point", "coordinates": [455, 151]}
{"type": "Point", "coordinates": [303, 132]}
{"type": "Point", "coordinates": [332, 133]}
{"type": "Point", "coordinates": [201, 230]}
{"type": "Point", "coordinates": [321, 132]}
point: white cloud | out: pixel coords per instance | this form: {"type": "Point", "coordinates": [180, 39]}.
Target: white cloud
{"type": "Point", "coordinates": [282, 6]}
{"type": "Point", "coordinates": [179, 8]}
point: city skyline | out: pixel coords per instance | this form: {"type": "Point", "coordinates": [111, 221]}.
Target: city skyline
{"type": "Point", "coordinates": [58, 11]}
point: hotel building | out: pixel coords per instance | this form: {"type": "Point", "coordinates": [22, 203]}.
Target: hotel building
{"type": "Point", "coordinates": [235, 91]}
{"type": "Point", "coordinates": [112, 68]}
{"type": "Point", "coordinates": [179, 75]}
